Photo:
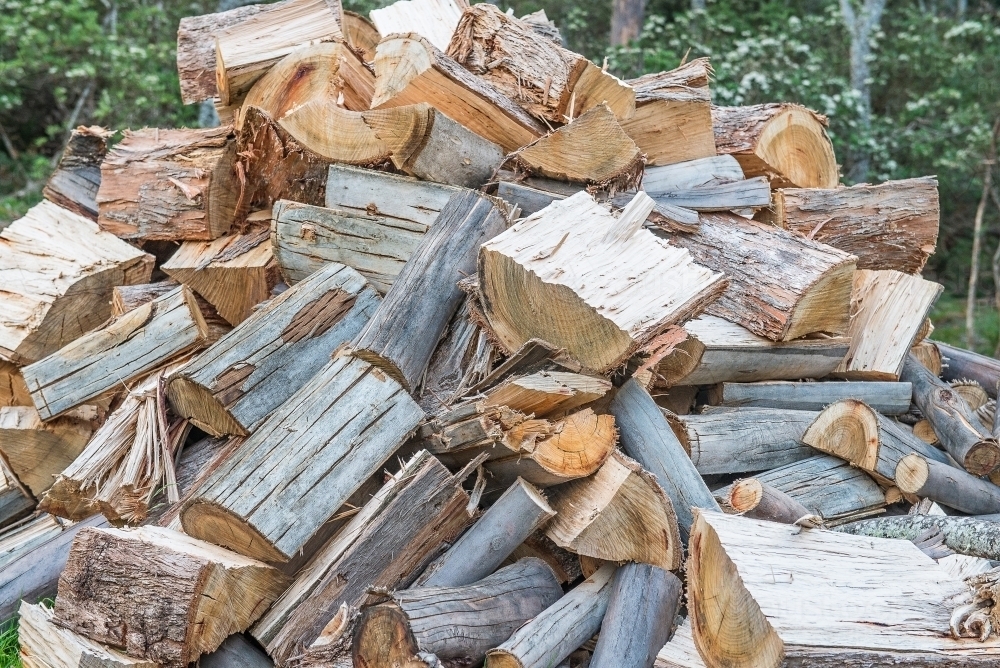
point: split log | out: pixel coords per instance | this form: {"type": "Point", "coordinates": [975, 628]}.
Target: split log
{"type": "Point", "coordinates": [974, 536]}
{"type": "Point", "coordinates": [246, 50]}
{"type": "Point", "coordinates": [928, 354]}
{"type": "Point", "coordinates": [35, 452]}
{"type": "Point", "coordinates": [517, 514]}
{"type": "Point", "coordinates": [527, 269]}
{"type": "Point", "coordinates": [202, 593]}
{"type": "Point", "coordinates": [235, 384]}
{"type": "Point", "coordinates": [680, 652]}
{"type": "Point", "coordinates": [409, 70]}
{"type": "Point", "coordinates": [384, 546]}
{"type": "Point", "coordinates": [561, 628]}
{"type": "Point", "coordinates": [535, 355]}
{"type": "Point", "coordinates": [961, 433]}
{"type": "Point", "coordinates": [885, 397]}
{"type": "Point", "coordinates": [44, 644]}
{"type": "Point", "coordinates": [963, 364]}
{"type": "Point", "coordinates": [58, 269]}
{"type": "Point", "coordinates": [743, 440]}
{"type": "Point", "coordinates": [455, 623]}
{"type": "Point", "coordinates": [548, 81]}
{"type": "Point", "coordinates": [784, 142]}
{"type": "Point", "coordinates": [752, 498]}
{"type": "Point", "coordinates": [735, 195]}
{"type": "Point", "coordinates": [406, 203]}
{"type": "Point", "coordinates": [361, 34]}
{"type": "Point", "coordinates": [782, 286]}
{"type": "Point", "coordinates": [717, 351]}
{"type": "Point", "coordinates": [619, 514]}
{"type": "Point", "coordinates": [13, 391]}
{"type": "Point", "coordinates": [124, 298]}
{"type": "Point", "coordinates": [888, 309]}
{"type": "Point", "coordinates": [692, 174]}
{"type": "Point", "coordinates": [434, 20]}
{"type": "Point", "coordinates": [948, 485]}
{"type": "Point", "coordinates": [892, 225]}
{"type": "Point", "coordinates": [74, 183]}
{"type": "Point", "coordinates": [644, 601]}
{"type": "Point", "coordinates": [646, 436]}
{"type": "Point", "coordinates": [16, 501]}
{"type": "Point", "coordinates": [546, 392]}
{"type": "Point", "coordinates": [897, 613]}
{"type": "Point", "coordinates": [120, 353]}
{"type": "Point", "coordinates": [673, 114]}
{"type": "Point", "coordinates": [169, 185]}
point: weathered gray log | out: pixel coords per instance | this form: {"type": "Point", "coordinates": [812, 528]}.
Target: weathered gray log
{"type": "Point", "coordinates": [746, 194]}
{"type": "Point", "coordinates": [235, 384]}
{"type": "Point", "coordinates": [644, 601]}
{"type": "Point", "coordinates": [464, 355]}
{"type": "Point", "coordinates": [753, 498]}
{"type": "Point", "coordinates": [16, 500]}
{"type": "Point", "coordinates": [237, 651]}
{"type": "Point", "coordinates": [948, 485]}
{"type": "Point", "coordinates": [506, 524]}
{"type": "Point", "coordinates": [561, 628]}
{"type": "Point", "coordinates": [959, 430]}
{"type": "Point", "coordinates": [645, 435]}
{"type": "Point", "coordinates": [885, 397]}
{"type": "Point", "coordinates": [961, 364]}
{"type": "Point", "coordinates": [974, 536]}
{"type": "Point", "coordinates": [75, 181]}
{"type": "Point", "coordinates": [455, 623]}
{"type": "Point", "coordinates": [741, 440]}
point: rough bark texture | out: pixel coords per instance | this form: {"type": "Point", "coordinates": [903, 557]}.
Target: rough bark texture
{"type": "Point", "coordinates": [885, 397]}
{"type": "Point", "coordinates": [973, 536]}
{"type": "Point", "coordinates": [74, 183]}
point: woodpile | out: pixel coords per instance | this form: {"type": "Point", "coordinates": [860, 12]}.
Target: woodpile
{"type": "Point", "coordinates": [461, 352]}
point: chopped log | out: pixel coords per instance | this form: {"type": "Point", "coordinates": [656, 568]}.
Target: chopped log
{"type": "Point", "coordinates": [961, 364]}
{"type": "Point", "coordinates": [885, 397]}
{"type": "Point", "coordinates": [673, 114]}
{"type": "Point", "coordinates": [755, 499]}
{"type": "Point", "coordinates": [526, 281]}
{"type": "Point", "coordinates": [361, 34]}
{"type": "Point", "coordinates": [15, 500]}
{"type": "Point", "coordinates": [246, 50]}
{"type": "Point", "coordinates": [974, 536]}
{"type": "Point", "coordinates": [971, 392]}
{"type": "Point", "coordinates": [928, 354]}
{"type": "Point", "coordinates": [961, 433]}
{"type": "Point", "coordinates": [739, 195]}
{"type": "Point", "coordinates": [506, 524]}
{"type": "Point", "coordinates": [548, 81]}
{"type": "Point", "coordinates": [124, 298]}
{"type": "Point", "coordinates": [13, 391]}
{"type": "Point", "coordinates": [888, 309]}
{"type": "Point", "coordinates": [235, 384]}
{"type": "Point", "coordinates": [948, 485]}
{"type": "Point", "coordinates": [717, 351]}
{"type": "Point", "coordinates": [58, 269]}
{"type": "Point", "coordinates": [897, 612]}
{"type": "Point", "coordinates": [892, 225]}
{"type": "Point", "coordinates": [236, 651]}
{"type": "Point", "coordinates": [561, 628]}
{"type": "Point", "coordinates": [198, 460]}
{"type": "Point", "coordinates": [384, 546]}
{"type": "Point", "coordinates": [619, 514]}
{"type": "Point", "coordinates": [546, 392]}
{"type": "Point", "coordinates": [409, 70]}
{"type": "Point", "coordinates": [159, 594]}
{"type": "Point", "coordinates": [458, 623]}
{"type": "Point", "coordinates": [120, 353]}
{"type": "Point", "coordinates": [35, 452]}
{"type": "Point", "coordinates": [74, 183]}
{"type": "Point", "coordinates": [233, 273]}
{"type": "Point", "coordinates": [433, 20]}
{"type": "Point", "coordinates": [782, 286]}
{"type": "Point", "coordinates": [169, 185]}
{"type": "Point", "coordinates": [786, 143]}
{"type": "Point", "coordinates": [680, 652]}
{"type": "Point", "coordinates": [644, 601]}
{"type": "Point", "coordinates": [463, 357]}
{"type": "Point", "coordinates": [692, 174]}
{"type": "Point", "coordinates": [44, 644]}
{"type": "Point", "coordinates": [743, 440]}
{"type": "Point", "coordinates": [646, 436]}
{"type": "Point", "coordinates": [406, 203]}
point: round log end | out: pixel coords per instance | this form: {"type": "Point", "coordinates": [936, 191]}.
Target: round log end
{"type": "Point", "coordinates": [383, 638]}
{"type": "Point", "coordinates": [982, 458]}
{"type": "Point", "coordinates": [581, 444]}
{"type": "Point", "coordinates": [825, 306]}
{"type": "Point", "coordinates": [745, 494]}
{"type": "Point", "coordinates": [681, 363]}
{"type": "Point", "coordinates": [795, 144]}
{"type": "Point", "coordinates": [197, 403]}
{"type": "Point", "coordinates": [499, 658]}
{"type": "Point", "coordinates": [924, 430]}
{"type": "Point", "coordinates": [912, 472]}
{"type": "Point", "coordinates": [216, 524]}
{"type": "Point", "coordinates": [847, 429]}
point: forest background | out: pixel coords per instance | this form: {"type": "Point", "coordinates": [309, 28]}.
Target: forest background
{"type": "Point", "coordinates": [910, 87]}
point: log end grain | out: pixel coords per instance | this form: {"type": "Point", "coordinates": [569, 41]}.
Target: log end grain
{"type": "Point", "coordinates": [217, 524]}
{"type": "Point", "coordinates": [847, 429]}
{"type": "Point", "coordinates": [384, 638]}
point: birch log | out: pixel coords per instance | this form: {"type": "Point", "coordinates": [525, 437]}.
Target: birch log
{"type": "Point", "coordinates": [76, 179]}
{"type": "Point", "coordinates": [948, 485]}
{"type": "Point", "coordinates": [885, 397]}
{"type": "Point", "coordinates": [973, 536]}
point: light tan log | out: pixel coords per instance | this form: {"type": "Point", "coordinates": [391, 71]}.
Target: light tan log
{"type": "Point", "coordinates": [58, 269]}
{"type": "Point", "coordinates": [122, 352]}
{"type": "Point", "coordinates": [35, 451]}
{"type": "Point", "coordinates": [785, 142]}
{"type": "Point", "coordinates": [13, 391]}
{"type": "Point", "coordinates": [618, 514]}
{"type": "Point", "coordinates": [361, 34]}
{"type": "Point", "coordinates": [892, 225]}
{"type": "Point", "coordinates": [546, 392]}
{"type": "Point", "coordinates": [948, 485]}
{"type": "Point", "coordinates": [680, 652]}
{"type": "Point", "coordinates": [529, 291]}
{"type": "Point", "coordinates": [928, 354]}
{"type": "Point", "coordinates": [74, 183]}
{"type": "Point", "coordinates": [434, 20]}
{"type": "Point", "coordinates": [548, 81]}
{"type": "Point", "coordinates": [409, 70]}
{"type": "Point", "coordinates": [752, 498]}
{"type": "Point", "coordinates": [782, 286]}
{"type": "Point", "coordinates": [160, 594]}
{"type": "Point", "coordinates": [673, 114]}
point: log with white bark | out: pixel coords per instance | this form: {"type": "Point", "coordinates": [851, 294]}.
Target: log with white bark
{"type": "Point", "coordinates": [885, 397]}
{"type": "Point", "coordinates": [892, 225]}
{"type": "Point", "coordinates": [58, 269]}
{"type": "Point", "coordinates": [76, 179]}
{"type": "Point", "coordinates": [947, 485]}
{"type": "Point", "coordinates": [961, 364]}
{"type": "Point", "coordinates": [236, 383]}
{"type": "Point", "coordinates": [785, 142]}
{"type": "Point", "coordinates": [755, 499]}
{"type": "Point", "coordinates": [434, 20]}
{"type": "Point", "coordinates": [35, 451]}
{"type": "Point", "coordinates": [973, 536]}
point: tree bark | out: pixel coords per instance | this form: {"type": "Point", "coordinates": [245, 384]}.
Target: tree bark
{"type": "Point", "coordinates": [977, 239]}
{"type": "Point", "coordinates": [885, 397]}
{"type": "Point", "coordinates": [75, 181]}
{"type": "Point", "coordinates": [626, 21]}
{"type": "Point", "coordinates": [948, 485]}
{"type": "Point", "coordinates": [860, 27]}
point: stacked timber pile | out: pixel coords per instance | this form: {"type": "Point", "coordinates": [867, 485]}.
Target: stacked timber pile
{"type": "Point", "coordinates": [451, 348]}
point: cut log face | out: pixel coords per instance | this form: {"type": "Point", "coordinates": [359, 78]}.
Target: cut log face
{"type": "Point", "coordinates": [928, 354]}
{"type": "Point", "coordinates": [202, 593]}
{"type": "Point", "coordinates": [898, 611]}
{"type": "Point", "coordinates": [552, 294]}
{"type": "Point", "coordinates": [239, 380]}
{"type": "Point", "coordinates": [785, 142]}
{"type": "Point", "coordinates": [74, 183]}
{"type": "Point", "coordinates": [35, 451]}
{"type": "Point", "coordinates": [888, 309]}
{"type": "Point", "coordinates": [757, 500]}
{"type": "Point", "coordinates": [946, 484]}
{"type": "Point", "coordinates": [547, 392]}
{"type": "Point", "coordinates": [619, 514]}
{"type": "Point", "coordinates": [548, 81]}
{"type": "Point", "coordinates": [434, 20]}
{"type": "Point", "coordinates": [782, 286]}
{"type": "Point", "coordinates": [885, 397]}
{"type": "Point", "coordinates": [13, 391]}
{"type": "Point", "coordinates": [169, 185]}
{"type": "Point", "coordinates": [966, 365]}
{"type": "Point", "coordinates": [247, 50]}
{"type": "Point", "coordinates": [673, 114]}
{"type": "Point", "coordinates": [125, 350]}
{"type": "Point", "coordinates": [892, 225]}
{"type": "Point", "coordinates": [58, 269]}
{"type": "Point", "coordinates": [361, 34]}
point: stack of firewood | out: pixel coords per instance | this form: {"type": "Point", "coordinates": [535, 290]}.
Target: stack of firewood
{"type": "Point", "coordinates": [450, 347]}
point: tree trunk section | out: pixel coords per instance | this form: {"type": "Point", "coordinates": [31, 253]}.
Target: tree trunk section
{"type": "Point", "coordinates": [757, 500]}
{"type": "Point", "coordinates": [973, 536]}
{"type": "Point", "coordinates": [948, 485]}
{"type": "Point", "coordinates": [35, 451]}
